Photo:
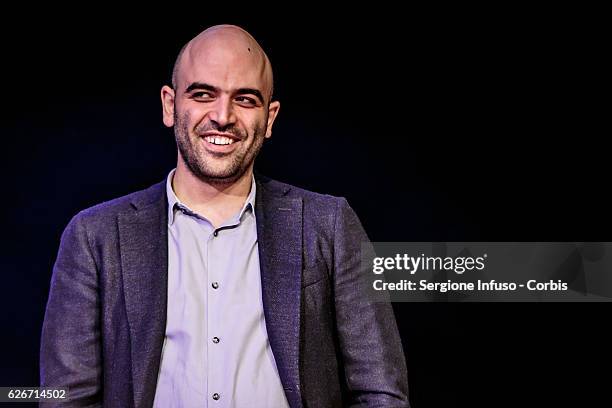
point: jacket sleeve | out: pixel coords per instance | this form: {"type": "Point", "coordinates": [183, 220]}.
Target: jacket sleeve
{"type": "Point", "coordinates": [374, 364]}
{"type": "Point", "coordinates": [70, 353]}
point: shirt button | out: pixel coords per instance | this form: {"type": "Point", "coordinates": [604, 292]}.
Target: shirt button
{"type": "Point", "coordinates": [215, 285]}
{"type": "Point", "coordinates": [216, 396]}
{"type": "Point", "coordinates": [215, 340]}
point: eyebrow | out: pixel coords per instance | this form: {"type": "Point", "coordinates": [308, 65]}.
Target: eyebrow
{"type": "Point", "coordinates": [208, 87]}
{"type": "Point", "coordinates": [250, 91]}
{"type": "Point", "coordinates": [201, 85]}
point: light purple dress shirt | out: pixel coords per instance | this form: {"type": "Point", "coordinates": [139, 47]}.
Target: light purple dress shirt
{"type": "Point", "coordinates": [216, 352]}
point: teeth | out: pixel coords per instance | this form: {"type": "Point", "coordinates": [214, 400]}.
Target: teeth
{"type": "Point", "coordinates": [219, 140]}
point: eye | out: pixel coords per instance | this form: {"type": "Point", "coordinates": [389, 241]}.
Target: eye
{"type": "Point", "coordinates": [246, 101]}
{"type": "Point", "coordinates": [202, 96]}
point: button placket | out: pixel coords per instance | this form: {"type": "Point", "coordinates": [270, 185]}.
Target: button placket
{"type": "Point", "coordinates": [215, 360]}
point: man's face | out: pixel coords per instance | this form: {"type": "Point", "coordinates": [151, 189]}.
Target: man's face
{"type": "Point", "coordinates": [221, 112]}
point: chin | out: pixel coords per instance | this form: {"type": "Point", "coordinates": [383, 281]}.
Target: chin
{"type": "Point", "coordinates": [222, 177]}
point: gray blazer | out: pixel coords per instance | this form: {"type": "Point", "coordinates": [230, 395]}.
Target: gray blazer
{"type": "Point", "coordinates": [106, 315]}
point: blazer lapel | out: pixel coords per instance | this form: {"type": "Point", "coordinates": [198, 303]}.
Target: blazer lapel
{"type": "Point", "coordinates": [143, 236]}
{"type": "Point", "coordinates": [279, 235]}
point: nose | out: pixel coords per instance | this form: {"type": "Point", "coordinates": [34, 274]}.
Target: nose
{"type": "Point", "coordinates": [222, 112]}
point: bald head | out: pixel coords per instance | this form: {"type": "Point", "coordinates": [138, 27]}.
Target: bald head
{"type": "Point", "coordinates": [224, 45]}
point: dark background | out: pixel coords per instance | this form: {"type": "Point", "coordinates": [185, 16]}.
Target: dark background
{"type": "Point", "coordinates": [445, 124]}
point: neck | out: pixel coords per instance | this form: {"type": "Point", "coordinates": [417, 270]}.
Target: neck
{"type": "Point", "coordinates": [216, 202]}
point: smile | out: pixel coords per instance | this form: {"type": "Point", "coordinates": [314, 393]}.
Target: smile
{"type": "Point", "coordinates": [219, 140]}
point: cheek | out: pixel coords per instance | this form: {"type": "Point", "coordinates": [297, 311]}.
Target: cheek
{"type": "Point", "coordinates": [191, 114]}
{"type": "Point", "coordinates": [255, 124]}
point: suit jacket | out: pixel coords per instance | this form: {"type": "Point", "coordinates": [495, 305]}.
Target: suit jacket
{"type": "Point", "coordinates": [106, 314]}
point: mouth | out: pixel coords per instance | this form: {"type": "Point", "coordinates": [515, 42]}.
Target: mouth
{"type": "Point", "coordinates": [220, 142]}
{"type": "Point", "coordinates": [220, 139]}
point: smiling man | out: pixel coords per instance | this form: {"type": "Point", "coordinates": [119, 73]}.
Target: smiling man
{"type": "Point", "coordinates": [218, 287]}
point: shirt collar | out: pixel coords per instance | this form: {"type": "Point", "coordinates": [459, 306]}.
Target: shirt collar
{"type": "Point", "coordinates": [174, 203]}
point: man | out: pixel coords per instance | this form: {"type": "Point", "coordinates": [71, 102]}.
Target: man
{"type": "Point", "coordinates": [218, 287]}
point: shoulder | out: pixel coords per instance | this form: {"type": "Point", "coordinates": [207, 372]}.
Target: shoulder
{"type": "Point", "coordinates": [109, 210]}
{"type": "Point", "coordinates": [324, 202]}
{"type": "Point", "coordinates": [323, 214]}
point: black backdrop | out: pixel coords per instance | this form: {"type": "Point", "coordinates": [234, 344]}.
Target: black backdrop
{"type": "Point", "coordinates": [438, 125]}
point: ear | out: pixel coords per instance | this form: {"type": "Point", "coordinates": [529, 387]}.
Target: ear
{"type": "Point", "coordinates": [167, 99]}
{"type": "Point", "coordinates": [273, 109]}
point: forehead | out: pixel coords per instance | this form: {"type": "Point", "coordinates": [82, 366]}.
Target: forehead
{"type": "Point", "coordinates": [226, 64]}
